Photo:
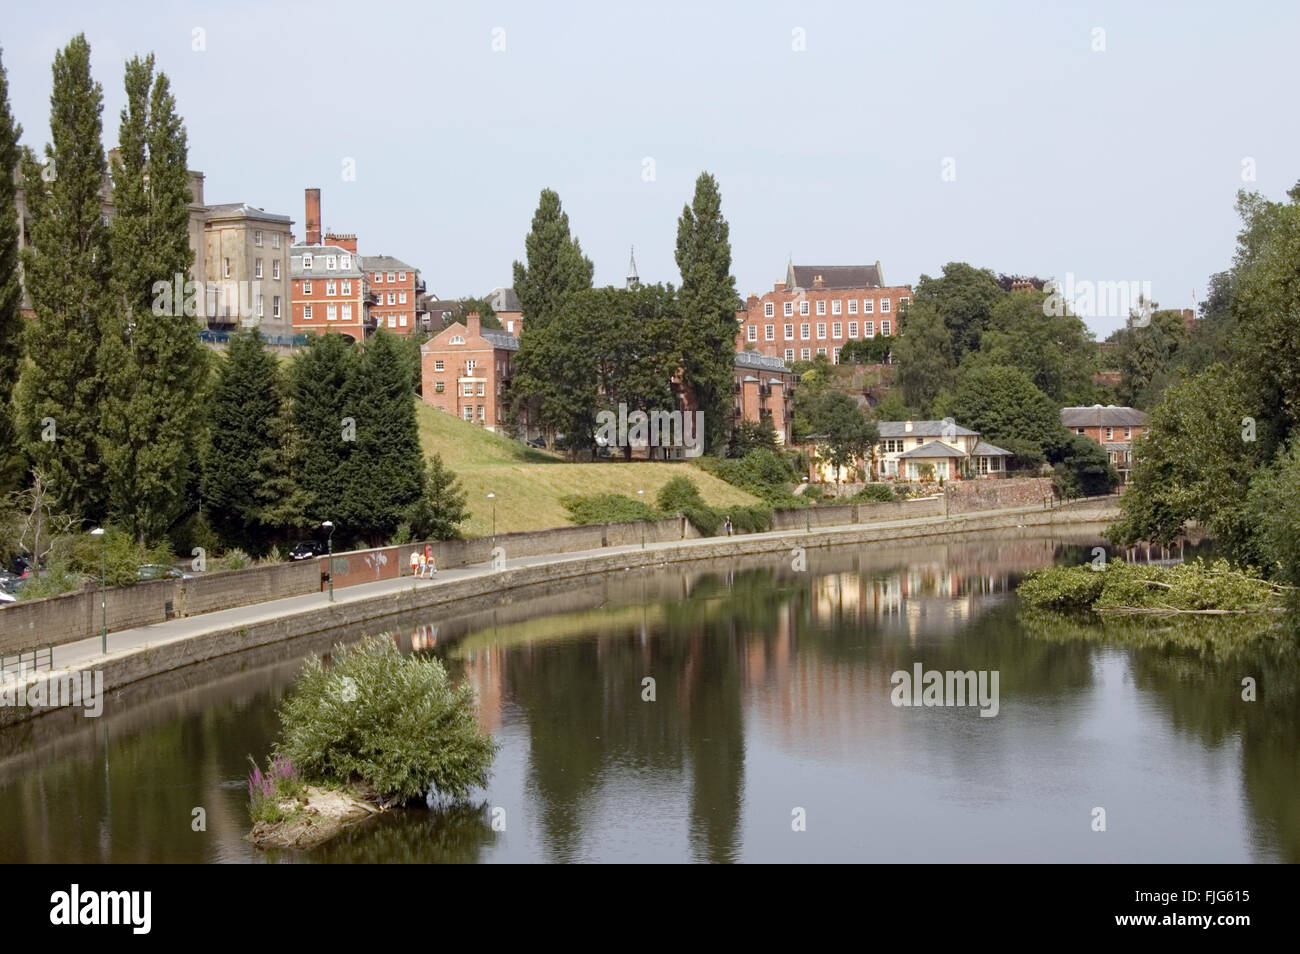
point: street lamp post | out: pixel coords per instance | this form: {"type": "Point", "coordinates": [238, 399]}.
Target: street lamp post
{"type": "Point", "coordinates": [641, 493]}
{"type": "Point", "coordinates": [329, 525]}
{"type": "Point", "coordinates": [103, 600]}
{"type": "Point", "coordinates": [493, 497]}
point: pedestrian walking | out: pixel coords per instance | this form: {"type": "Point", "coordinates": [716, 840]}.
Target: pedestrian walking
{"type": "Point", "coordinates": [415, 563]}
{"type": "Point", "coordinates": [429, 559]}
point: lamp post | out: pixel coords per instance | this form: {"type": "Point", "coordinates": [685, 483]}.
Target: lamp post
{"type": "Point", "coordinates": [493, 497]}
{"type": "Point", "coordinates": [103, 600]}
{"type": "Point", "coordinates": [641, 493]}
{"type": "Point", "coordinates": [329, 525]}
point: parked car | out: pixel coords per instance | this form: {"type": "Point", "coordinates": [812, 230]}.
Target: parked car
{"type": "Point", "coordinates": [8, 587]}
{"type": "Point", "coordinates": [538, 442]}
{"type": "Point", "coordinates": [159, 571]}
{"type": "Point", "coordinates": [306, 550]}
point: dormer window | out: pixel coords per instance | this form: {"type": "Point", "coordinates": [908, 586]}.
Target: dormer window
{"type": "Point", "coordinates": [306, 260]}
{"type": "Point", "coordinates": [331, 262]}
{"type": "Point", "coordinates": [345, 262]}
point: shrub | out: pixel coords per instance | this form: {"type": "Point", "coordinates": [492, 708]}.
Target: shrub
{"type": "Point", "coordinates": [606, 508]}
{"type": "Point", "coordinates": [1062, 587]}
{"type": "Point", "coordinates": [235, 559]}
{"type": "Point", "coordinates": [266, 791]}
{"type": "Point", "coordinates": [813, 492]}
{"type": "Point", "coordinates": [678, 495]}
{"type": "Point", "coordinates": [878, 493]}
{"type": "Point", "coordinates": [755, 519]}
{"type": "Point", "coordinates": [394, 722]}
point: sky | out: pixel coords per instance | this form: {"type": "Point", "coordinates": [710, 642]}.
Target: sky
{"type": "Point", "coordinates": [1101, 141]}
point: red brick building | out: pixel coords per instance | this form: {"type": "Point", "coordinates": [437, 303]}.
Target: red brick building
{"type": "Point", "coordinates": [763, 388]}
{"type": "Point", "coordinates": [510, 313]}
{"type": "Point", "coordinates": [329, 290]}
{"type": "Point", "coordinates": [466, 371]}
{"type": "Point", "coordinates": [397, 289]}
{"type": "Point", "coordinates": [1114, 428]}
{"type": "Point", "coordinates": [818, 309]}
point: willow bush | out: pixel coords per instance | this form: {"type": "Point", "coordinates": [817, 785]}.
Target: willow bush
{"type": "Point", "coordinates": [392, 721]}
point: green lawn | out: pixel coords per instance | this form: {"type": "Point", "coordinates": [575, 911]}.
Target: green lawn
{"type": "Point", "coordinates": [529, 483]}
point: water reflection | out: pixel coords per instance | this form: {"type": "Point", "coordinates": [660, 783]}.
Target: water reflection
{"type": "Point", "coordinates": [769, 693]}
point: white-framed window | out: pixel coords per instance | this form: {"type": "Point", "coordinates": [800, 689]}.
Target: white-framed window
{"type": "Point", "coordinates": [392, 298]}
{"type": "Point", "coordinates": [836, 305]}
{"type": "Point", "coordinates": [392, 321]}
{"type": "Point", "coordinates": [260, 307]}
{"type": "Point", "coordinates": [275, 268]}
{"type": "Point", "coordinates": [275, 306]}
{"type": "Point", "coordinates": [886, 328]}
{"type": "Point", "coordinates": [803, 308]}
{"type": "Point", "coordinates": [379, 277]}
{"type": "Point", "coordinates": [821, 330]}
{"type": "Point", "coordinates": [902, 303]}
{"type": "Point", "coordinates": [789, 354]}
{"type": "Point", "coordinates": [853, 306]}
{"type": "Point", "coordinates": [789, 332]}
{"type": "Point", "coordinates": [306, 261]}
{"type": "Point", "coordinates": [437, 365]}
{"type": "Point", "coordinates": [884, 305]}
{"type": "Point", "coordinates": [306, 286]}
{"type": "Point", "coordinates": [868, 306]}
{"type": "Point", "coordinates": [458, 339]}
{"type": "Point", "coordinates": [821, 308]}
{"type": "Point", "coordinates": [469, 413]}
{"type": "Point", "coordinates": [346, 286]}
{"type": "Point", "coordinates": [804, 354]}
{"type": "Point", "coordinates": [391, 277]}
{"type": "Point", "coordinates": [331, 262]}
{"type": "Point", "coordinates": [853, 329]}
{"type": "Point", "coordinates": [789, 308]}
{"type": "Point", "coordinates": [257, 237]}
{"type": "Point", "coordinates": [751, 333]}
{"type": "Point", "coordinates": [401, 298]}
{"type": "Point", "coordinates": [805, 331]}
{"type": "Point", "coordinates": [401, 321]}
{"type": "Point", "coordinates": [769, 309]}
{"type": "Point", "coordinates": [439, 386]}
{"type": "Point", "coordinates": [868, 329]}
{"type": "Point", "coordinates": [1128, 433]}
{"type": "Point", "coordinates": [822, 352]}
{"type": "Point", "coordinates": [769, 332]}
{"type": "Point", "coordinates": [331, 287]}
{"type": "Point", "coordinates": [1110, 433]}
{"type": "Point", "coordinates": [481, 386]}
{"type": "Point", "coordinates": [347, 312]}
{"type": "Point", "coordinates": [275, 240]}
{"type": "Point", "coordinates": [480, 412]}
{"type": "Point", "coordinates": [470, 365]}
{"type": "Point", "coordinates": [306, 312]}
{"type": "Point", "coordinates": [835, 355]}
{"type": "Point", "coordinates": [331, 312]}
{"type": "Point", "coordinates": [226, 269]}
{"type": "Point", "coordinates": [837, 329]}
{"type": "Point", "coordinates": [345, 262]}
{"type": "Point", "coordinates": [401, 276]}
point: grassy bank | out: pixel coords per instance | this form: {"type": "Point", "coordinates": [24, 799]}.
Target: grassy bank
{"type": "Point", "coordinates": [529, 483]}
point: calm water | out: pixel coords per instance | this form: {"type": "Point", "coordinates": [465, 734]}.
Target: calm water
{"type": "Point", "coordinates": [772, 697]}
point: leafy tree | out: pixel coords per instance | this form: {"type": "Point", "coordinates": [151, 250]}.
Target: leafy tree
{"type": "Point", "coordinates": [556, 266]}
{"type": "Point", "coordinates": [844, 435]}
{"type": "Point", "coordinates": [964, 298]}
{"type": "Point", "coordinates": [1192, 464]}
{"type": "Point", "coordinates": [1058, 352]}
{"type": "Point", "coordinates": [557, 387]}
{"type": "Point", "coordinates": [751, 436]}
{"type": "Point", "coordinates": [1147, 356]}
{"type": "Point", "coordinates": [11, 319]}
{"type": "Point", "coordinates": [877, 350]}
{"type": "Point", "coordinates": [892, 407]}
{"type": "Point", "coordinates": [441, 508]}
{"type": "Point", "coordinates": [319, 381]}
{"type": "Point", "coordinates": [1005, 407]}
{"type": "Point", "coordinates": [152, 364]}
{"type": "Point", "coordinates": [487, 315]}
{"type": "Point", "coordinates": [708, 299]}
{"type": "Point", "coordinates": [925, 357]}
{"type": "Point", "coordinates": [66, 269]}
{"type": "Point", "coordinates": [244, 448]}
{"type": "Point", "coordinates": [383, 475]}
{"type": "Point", "coordinates": [1083, 468]}
{"type": "Point", "coordinates": [1273, 513]}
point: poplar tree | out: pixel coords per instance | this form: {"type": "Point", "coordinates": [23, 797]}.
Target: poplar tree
{"type": "Point", "coordinates": [11, 350]}
{"type": "Point", "coordinates": [708, 304]}
{"type": "Point", "coordinates": [151, 362]}
{"type": "Point", "coordinates": [384, 475]}
{"type": "Point", "coordinates": [66, 269]}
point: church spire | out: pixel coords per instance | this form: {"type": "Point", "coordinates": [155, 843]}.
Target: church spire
{"type": "Point", "coordinates": [633, 281]}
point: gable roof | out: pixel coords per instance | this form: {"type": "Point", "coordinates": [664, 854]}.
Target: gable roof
{"type": "Point", "coordinates": [835, 276]}
{"type": "Point", "coordinates": [985, 449]}
{"type": "Point", "coordinates": [385, 263]}
{"type": "Point", "coordinates": [321, 252]}
{"type": "Point", "coordinates": [932, 450]}
{"type": "Point", "coordinates": [1103, 416]}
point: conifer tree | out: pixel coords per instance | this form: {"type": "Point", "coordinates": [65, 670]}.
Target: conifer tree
{"type": "Point", "coordinates": [384, 475]}
{"type": "Point", "coordinates": [11, 320]}
{"type": "Point", "coordinates": [708, 304]}
{"type": "Point", "coordinates": [319, 381]}
{"type": "Point", "coordinates": [441, 508]}
{"type": "Point", "coordinates": [151, 363]}
{"type": "Point", "coordinates": [66, 269]}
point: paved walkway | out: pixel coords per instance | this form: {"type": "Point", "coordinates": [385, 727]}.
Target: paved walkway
{"type": "Point", "coordinates": [71, 654]}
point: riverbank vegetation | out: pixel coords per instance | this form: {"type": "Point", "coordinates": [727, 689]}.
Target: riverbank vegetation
{"type": "Point", "coordinates": [1117, 587]}
{"type": "Point", "coordinates": [375, 728]}
{"type": "Point", "coordinates": [679, 495]}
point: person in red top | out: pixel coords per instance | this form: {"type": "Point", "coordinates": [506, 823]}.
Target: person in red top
{"type": "Point", "coordinates": [430, 562]}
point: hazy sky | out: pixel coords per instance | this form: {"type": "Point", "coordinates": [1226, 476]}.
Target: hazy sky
{"type": "Point", "coordinates": [1112, 165]}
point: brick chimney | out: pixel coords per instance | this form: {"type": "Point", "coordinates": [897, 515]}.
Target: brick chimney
{"type": "Point", "coordinates": [818, 282]}
{"type": "Point", "coordinates": [344, 240]}
{"type": "Point", "coordinates": [473, 324]}
{"type": "Point", "coordinates": [312, 225]}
